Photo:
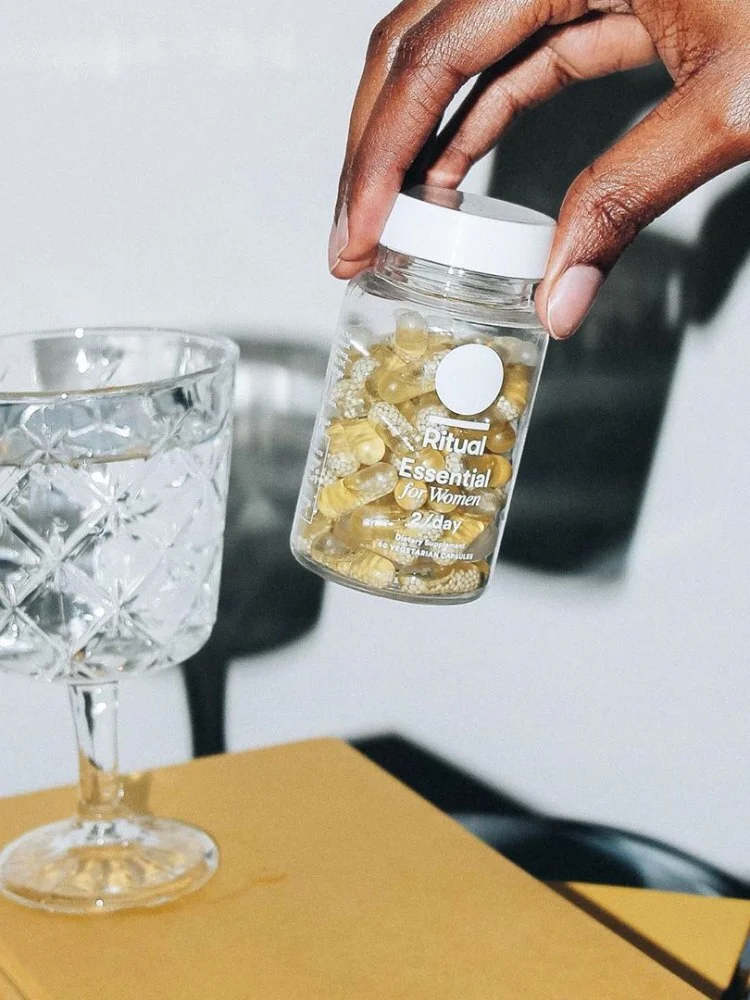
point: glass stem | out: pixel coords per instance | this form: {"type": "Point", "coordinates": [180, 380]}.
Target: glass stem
{"type": "Point", "coordinates": [95, 718]}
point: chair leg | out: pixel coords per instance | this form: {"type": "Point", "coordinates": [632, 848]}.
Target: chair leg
{"type": "Point", "coordinates": [205, 683]}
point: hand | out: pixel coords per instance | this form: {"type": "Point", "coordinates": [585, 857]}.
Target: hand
{"type": "Point", "coordinates": [522, 52]}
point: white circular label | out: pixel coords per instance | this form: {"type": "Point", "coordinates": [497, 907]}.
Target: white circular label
{"type": "Point", "coordinates": [469, 379]}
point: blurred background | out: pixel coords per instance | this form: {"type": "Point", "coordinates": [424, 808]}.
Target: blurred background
{"type": "Point", "coordinates": [176, 164]}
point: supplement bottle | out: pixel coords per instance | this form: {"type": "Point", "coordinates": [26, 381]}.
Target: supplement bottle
{"type": "Point", "coordinates": [427, 399]}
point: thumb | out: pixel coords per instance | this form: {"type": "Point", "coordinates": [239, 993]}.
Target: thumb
{"type": "Point", "coordinates": [690, 137]}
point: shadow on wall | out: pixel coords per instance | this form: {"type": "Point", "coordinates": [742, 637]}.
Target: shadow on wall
{"type": "Point", "coordinates": [595, 424]}
{"type": "Point", "coordinates": [603, 395]}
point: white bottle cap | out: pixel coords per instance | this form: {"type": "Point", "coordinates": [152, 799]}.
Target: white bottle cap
{"type": "Point", "coordinates": [471, 232]}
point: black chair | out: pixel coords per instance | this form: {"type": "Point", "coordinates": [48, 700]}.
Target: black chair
{"type": "Point", "coordinates": [550, 849]}
{"type": "Point", "coordinates": [267, 600]}
{"type": "Point", "coordinates": [560, 850]}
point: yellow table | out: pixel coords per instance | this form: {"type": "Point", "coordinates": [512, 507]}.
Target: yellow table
{"type": "Point", "coordinates": [338, 883]}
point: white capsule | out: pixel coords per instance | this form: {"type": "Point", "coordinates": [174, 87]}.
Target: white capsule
{"type": "Point", "coordinates": [524, 353]}
{"type": "Point", "coordinates": [361, 370]}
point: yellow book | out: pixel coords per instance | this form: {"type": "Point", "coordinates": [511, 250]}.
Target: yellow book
{"type": "Point", "coordinates": [336, 883]}
{"type": "Point", "coordinates": [700, 938]}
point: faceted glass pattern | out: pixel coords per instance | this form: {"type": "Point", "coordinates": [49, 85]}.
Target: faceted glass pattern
{"type": "Point", "coordinates": [111, 518]}
{"type": "Point", "coordinates": [114, 466]}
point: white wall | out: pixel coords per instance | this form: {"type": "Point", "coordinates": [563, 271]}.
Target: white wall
{"type": "Point", "coordinates": [164, 162]}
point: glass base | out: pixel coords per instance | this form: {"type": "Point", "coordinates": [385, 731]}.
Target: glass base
{"type": "Point", "coordinates": [99, 866]}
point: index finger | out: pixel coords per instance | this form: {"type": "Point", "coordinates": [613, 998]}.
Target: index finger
{"type": "Point", "coordinates": [384, 42]}
{"type": "Point", "coordinates": [452, 43]}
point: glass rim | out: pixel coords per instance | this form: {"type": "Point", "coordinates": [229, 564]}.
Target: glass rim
{"type": "Point", "coordinates": [230, 356]}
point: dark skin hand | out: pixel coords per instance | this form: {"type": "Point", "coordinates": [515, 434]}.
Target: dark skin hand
{"type": "Point", "coordinates": [522, 52]}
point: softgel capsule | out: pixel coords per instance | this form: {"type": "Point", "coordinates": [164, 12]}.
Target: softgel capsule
{"type": "Point", "coordinates": [427, 400]}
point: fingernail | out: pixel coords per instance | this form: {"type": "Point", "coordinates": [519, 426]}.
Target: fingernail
{"type": "Point", "coordinates": [571, 298]}
{"type": "Point", "coordinates": [338, 239]}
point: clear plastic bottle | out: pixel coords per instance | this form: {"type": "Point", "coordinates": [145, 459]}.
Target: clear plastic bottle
{"type": "Point", "coordinates": [427, 399]}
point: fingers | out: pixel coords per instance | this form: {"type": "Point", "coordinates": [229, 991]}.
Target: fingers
{"type": "Point", "coordinates": [689, 138]}
{"type": "Point", "coordinates": [569, 54]}
{"type": "Point", "coordinates": [452, 43]}
{"type": "Point", "coordinates": [381, 50]}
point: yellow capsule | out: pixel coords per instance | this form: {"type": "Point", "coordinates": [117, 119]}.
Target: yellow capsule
{"type": "Point", "coordinates": [373, 521]}
{"type": "Point", "coordinates": [424, 577]}
{"type": "Point", "coordinates": [393, 459]}
{"type": "Point", "coordinates": [516, 389]}
{"type": "Point", "coordinates": [428, 399]}
{"type": "Point", "coordinates": [410, 495]}
{"type": "Point", "coordinates": [335, 500]}
{"type": "Point", "coordinates": [398, 386]}
{"type": "Point", "coordinates": [467, 434]}
{"type": "Point", "coordinates": [331, 553]}
{"type": "Point", "coordinates": [499, 467]}
{"type": "Point", "coordinates": [431, 459]}
{"type": "Point", "coordinates": [372, 482]}
{"type": "Point", "coordinates": [409, 408]}
{"type": "Point", "coordinates": [516, 374]}
{"type": "Point", "coordinates": [358, 438]}
{"type": "Point", "coordinates": [378, 527]}
{"type": "Point", "coordinates": [441, 342]}
{"type": "Point", "coordinates": [418, 379]}
{"type": "Point", "coordinates": [484, 544]}
{"type": "Point", "coordinates": [398, 552]}
{"type": "Point", "coordinates": [501, 438]}
{"type": "Point", "coordinates": [386, 359]}
{"type": "Point", "coordinates": [372, 570]}
{"type": "Point", "coordinates": [514, 395]}
{"type": "Point", "coordinates": [443, 507]}
{"type": "Point", "coordinates": [467, 532]}
{"type": "Point", "coordinates": [365, 442]}
{"type": "Point", "coordinates": [394, 428]}
{"type": "Point", "coordinates": [309, 533]}
{"type": "Point", "coordinates": [490, 502]}
{"type": "Point", "coordinates": [337, 434]}
{"type": "Point", "coordinates": [410, 337]}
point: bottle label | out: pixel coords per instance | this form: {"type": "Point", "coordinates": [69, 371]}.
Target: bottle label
{"type": "Point", "coordinates": [469, 378]}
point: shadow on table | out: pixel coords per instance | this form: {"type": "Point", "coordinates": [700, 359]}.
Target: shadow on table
{"type": "Point", "coordinates": [648, 947]}
{"type": "Point", "coordinates": [550, 849]}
